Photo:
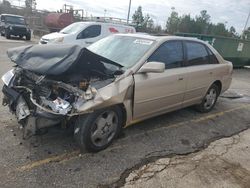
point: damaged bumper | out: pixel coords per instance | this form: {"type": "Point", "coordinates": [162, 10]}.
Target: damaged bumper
{"type": "Point", "coordinates": [40, 102]}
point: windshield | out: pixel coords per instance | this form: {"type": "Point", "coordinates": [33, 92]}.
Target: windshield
{"type": "Point", "coordinates": [125, 50]}
{"type": "Point", "coordinates": [15, 20]}
{"type": "Point", "coordinates": [73, 28]}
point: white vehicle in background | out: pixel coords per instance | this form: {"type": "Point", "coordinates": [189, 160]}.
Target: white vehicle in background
{"type": "Point", "coordinates": [85, 33]}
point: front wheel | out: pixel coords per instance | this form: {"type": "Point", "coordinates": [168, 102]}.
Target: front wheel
{"type": "Point", "coordinates": [28, 37]}
{"type": "Point", "coordinates": [7, 34]}
{"type": "Point", "coordinates": [209, 100]}
{"type": "Point", "coordinates": [97, 130]}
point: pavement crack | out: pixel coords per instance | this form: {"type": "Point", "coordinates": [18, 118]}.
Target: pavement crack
{"type": "Point", "coordinates": [150, 159]}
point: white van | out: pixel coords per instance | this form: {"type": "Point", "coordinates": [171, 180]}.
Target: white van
{"type": "Point", "coordinates": [85, 33]}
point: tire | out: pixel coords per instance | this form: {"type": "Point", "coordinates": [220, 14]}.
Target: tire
{"type": "Point", "coordinates": [7, 34]}
{"type": "Point", "coordinates": [96, 131]}
{"type": "Point", "coordinates": [209, 99]}
{"type": "Point", "coordinates": [28, 37]}
{"type": "Point", "coordinates": [2, 34]}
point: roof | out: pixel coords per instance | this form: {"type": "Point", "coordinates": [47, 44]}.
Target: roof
{"type": "Point", "coordinates": [104, 23]}
{"type": "Point", "coordinates": [11, 15]}
{"type": "Point", "coordinates": [160, 38]}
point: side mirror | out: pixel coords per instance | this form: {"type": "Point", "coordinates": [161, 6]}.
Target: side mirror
{"type": "Point", "coordinates": [152, 67]}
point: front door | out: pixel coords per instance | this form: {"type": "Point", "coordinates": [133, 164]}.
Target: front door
{"type": "Point", "coordinates": [156, 93]}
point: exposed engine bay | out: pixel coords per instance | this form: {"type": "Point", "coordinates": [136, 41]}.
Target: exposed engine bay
{"type": "Point", "coordinates": [54, 96]}
{"type": "Point", "coordinates": [42, 94]}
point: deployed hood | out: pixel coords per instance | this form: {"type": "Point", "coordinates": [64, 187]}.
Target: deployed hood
{"type": "Point", "coordinates": [57, 60]}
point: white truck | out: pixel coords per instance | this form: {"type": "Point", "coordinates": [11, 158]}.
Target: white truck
{"type": "Point", "coordinates": [85, 33]}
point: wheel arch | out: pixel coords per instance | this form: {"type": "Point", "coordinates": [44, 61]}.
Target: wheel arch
{"type": "Point", "coordinates": [124, 113]}
{"type": "Point", "coordinates": [218, 84]}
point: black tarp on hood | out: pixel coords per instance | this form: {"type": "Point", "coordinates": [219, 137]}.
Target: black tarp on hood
{"type": "Point", "coordinates": [57, 59]}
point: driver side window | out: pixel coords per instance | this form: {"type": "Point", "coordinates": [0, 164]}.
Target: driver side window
{"type": "Point", "coordinates": [170, 53]}
{"type": "Point", "coordinates": [90, 32]}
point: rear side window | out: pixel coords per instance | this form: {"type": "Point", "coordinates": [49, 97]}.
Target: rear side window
{"type": "Point", "coordinates": [212, 58]}
{"type": "Point", "coordinates": [196, 54]}
{"type": "Point", "coordinates": [90, 32]}
{"type": "Point", "coordinates": [170, 53]}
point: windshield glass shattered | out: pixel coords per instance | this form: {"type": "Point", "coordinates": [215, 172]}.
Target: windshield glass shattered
{"type": "Point", "coordinates": [73, 28]}
{"type": "Point", "coordinates": [125, 50]}
{"type": "Point", "coordinates": [15, 20]}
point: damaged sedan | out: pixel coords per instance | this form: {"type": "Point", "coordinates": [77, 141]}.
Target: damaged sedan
{"type": "Point", "coordinates": [115, 82]}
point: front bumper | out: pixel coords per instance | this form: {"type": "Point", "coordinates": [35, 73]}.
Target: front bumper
{"type": "Point", "coordinates": [11, 97]}
{"type": "Point", "coordinates": [19, 31]}
{"type": "Point", "coordinates": [33, 118]}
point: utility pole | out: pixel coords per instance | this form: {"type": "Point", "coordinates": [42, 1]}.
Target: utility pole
{"type": "Point", "coordinates": [129, 11]}
{"type": "Point", "coordinates": [105, 11]}
{"type": "Point", "coordinates": [245, 25]}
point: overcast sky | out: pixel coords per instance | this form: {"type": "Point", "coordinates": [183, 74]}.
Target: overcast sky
{"type": "Point", "coordinates": [232, 12]}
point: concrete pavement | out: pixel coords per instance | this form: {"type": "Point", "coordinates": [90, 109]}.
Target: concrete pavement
{"type": "Point", "coordinates": [53, 159]}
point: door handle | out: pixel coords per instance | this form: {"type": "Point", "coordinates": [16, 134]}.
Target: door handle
{"type": "Point", "coordinates": [210, 72]}
{"type": "Point", "coordinates": [181, 78]}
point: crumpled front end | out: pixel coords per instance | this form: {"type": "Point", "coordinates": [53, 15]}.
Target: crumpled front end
{"type": "Point", "coordinates": [39, 101]}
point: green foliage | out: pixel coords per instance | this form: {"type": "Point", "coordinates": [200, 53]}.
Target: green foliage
{"type": "Point", "coordinates": [144, 23]}
{"type": "Point", "coordinates": [246, 34]}
{"type": "Point", "coordinates": [138, 17]}
{"type": "Point", "coordinates": [6, 3]}
{"type": "Point", "coordinates": [200, 24]}
{"type": "Point", "coordinates": [173, 23]}
{"type": "Point", "coordinates": [30, 4]}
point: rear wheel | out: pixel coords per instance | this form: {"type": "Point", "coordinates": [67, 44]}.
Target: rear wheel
{"type": "Point", "coordinates": [209, 100]}
{"type": "Point", "coordinates": [97, 130]}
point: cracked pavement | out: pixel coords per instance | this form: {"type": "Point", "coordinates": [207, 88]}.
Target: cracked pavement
{"type": "Point", "coordinates": [225, 163]}
{"type": "Point", "coordinates": [53, 159]}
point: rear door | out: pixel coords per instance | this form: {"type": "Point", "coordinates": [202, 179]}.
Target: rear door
{"type": "Point", "coordinates": [156, 93]}
{"type": "Point", "coordinates": [89, 35]}
{"type": "Point", "coordinates": [200, 71]}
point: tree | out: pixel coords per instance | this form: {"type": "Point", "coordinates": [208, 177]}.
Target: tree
{"type": "Point", "coordinates": [6, 3]}
{"type": "Point", "coordinates": [232, 31]}
{"type": "Point", "coordinates": [148, 23]}
{"type": "Point", "coordinates": [137, 17]}
{"type": "Point", "coordinates": [143, 23]}
{"type": "Point", "coordinates": [157, 29]}
{"type": "Point", "coordinates": [246, 34]}
{"type": "Point", "coordinates": [173, 23]}
{"type": "Point", "coordinates": [186, 24]}
{"type": "Point", "coordinates": [220, 29]}
{"type": "Point", "coordinates": [30, 4]}
{"type": "Point", "coordinates": [202, 22]}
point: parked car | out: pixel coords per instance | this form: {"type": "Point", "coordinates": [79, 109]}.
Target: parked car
{"type": "Point", "coordinates": [85, 33]}
{"type": "Point", "coordinates": [14, 25]}
{"type": "Point", "coordinates": [113, 83]}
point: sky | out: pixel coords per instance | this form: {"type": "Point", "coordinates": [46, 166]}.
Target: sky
{"type": "Point", "coordinates": [231, 12]}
